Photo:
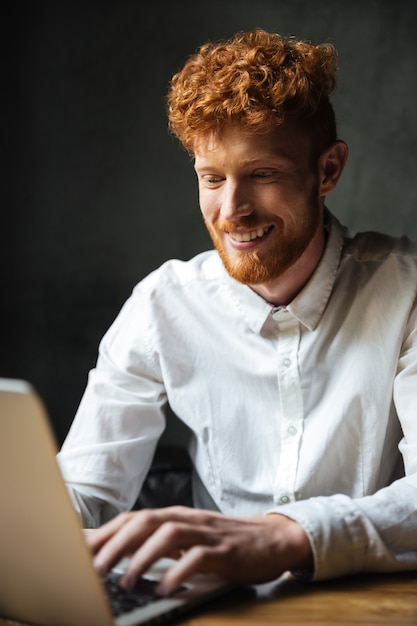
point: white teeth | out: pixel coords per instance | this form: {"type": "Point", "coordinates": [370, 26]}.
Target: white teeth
{"type": "Point", "coordinates": [254, 234]}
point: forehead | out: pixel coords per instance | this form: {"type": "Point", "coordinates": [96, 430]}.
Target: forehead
{"type": "Point", "coordinates": [285, 142]}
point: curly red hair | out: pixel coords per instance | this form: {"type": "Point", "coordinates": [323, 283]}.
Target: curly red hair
{"type": "Point", "coordinates": [257, 80]}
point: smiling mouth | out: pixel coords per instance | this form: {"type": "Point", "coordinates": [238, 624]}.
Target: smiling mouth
{"type": "Point", "coordinates": [249, 236]}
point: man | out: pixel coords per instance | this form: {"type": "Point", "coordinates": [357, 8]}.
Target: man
{"type": "Point", "coordinates": [290, 351]}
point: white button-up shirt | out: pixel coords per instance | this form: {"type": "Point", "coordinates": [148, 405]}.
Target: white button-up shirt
{"type": "Point", "coordinates": [309, 410]}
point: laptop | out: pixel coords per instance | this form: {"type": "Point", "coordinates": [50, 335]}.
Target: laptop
{"type": "Point", "coordinates": [46, 572]}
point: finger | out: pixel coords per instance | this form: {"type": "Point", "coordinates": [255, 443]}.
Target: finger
{"type": "Point", "coordinates": [191, 563]}
{"type": "Point", "coordinates": [96, 539]}
{"type": "Point", "coordinates": [126, 538]}
{"type": "Point", "coordinates": [171, 539]}
{"type": "Point", "coordinates": [125, 533]}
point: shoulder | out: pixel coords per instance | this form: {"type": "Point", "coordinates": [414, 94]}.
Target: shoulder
{"type": "Point", "coordinates": [172, 292]}
{"type": "Point", "coordinates": [177, 274]}
{"type": "Point", "coordinates": [379, 248]}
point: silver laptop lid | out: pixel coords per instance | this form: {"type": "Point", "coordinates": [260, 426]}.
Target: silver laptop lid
{"type": "Point", "coordinates": [46, 573]}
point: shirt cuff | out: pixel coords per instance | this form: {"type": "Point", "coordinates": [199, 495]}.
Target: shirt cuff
{"type": "Point", "coordinates": [338, 532]}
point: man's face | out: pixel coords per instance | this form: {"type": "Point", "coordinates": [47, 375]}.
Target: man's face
{"type": "Point", "coordinates": [259, 199]}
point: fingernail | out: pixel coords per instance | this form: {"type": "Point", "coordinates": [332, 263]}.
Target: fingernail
{"type": "Point", "coordinates": [161, 590]}
{"type": "Point", "coordinates": [126, 580]}
{"type": "Point", "coordinates": [99, 566]}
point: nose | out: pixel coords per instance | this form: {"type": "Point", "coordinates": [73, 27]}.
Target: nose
{"type": "Point", "coordinates": [235, 201]}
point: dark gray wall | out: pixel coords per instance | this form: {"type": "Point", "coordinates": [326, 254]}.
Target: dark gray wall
{"type": "Point", "coordinates": [101, 195]}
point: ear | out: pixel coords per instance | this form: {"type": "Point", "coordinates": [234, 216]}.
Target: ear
{"type": "Point", "coordinates": [331, 164]}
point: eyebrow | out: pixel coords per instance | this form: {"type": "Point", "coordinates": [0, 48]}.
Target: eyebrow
{"type": "Point", "coordinates": [265, 161]}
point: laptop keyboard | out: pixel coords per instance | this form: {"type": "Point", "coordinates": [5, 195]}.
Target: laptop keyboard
{"type": "Point", "coordinates": [124, 600]}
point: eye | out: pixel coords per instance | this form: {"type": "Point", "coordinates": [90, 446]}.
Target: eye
{"type": "Point", "coordinates": [211, 180]}
{"type": "Point", "coordinates": [263, 173]}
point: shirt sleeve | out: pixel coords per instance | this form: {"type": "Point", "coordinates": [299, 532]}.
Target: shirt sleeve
{"type": "Point", "coordinates": [110, 445]}
{"type": "Point", "coordinates": [371, 534]}
{"type": "Point", "coordinates": [375, 533]}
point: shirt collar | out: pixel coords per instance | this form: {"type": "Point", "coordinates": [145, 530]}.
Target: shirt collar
{"type": "Point", "coordinates": [308, 306]}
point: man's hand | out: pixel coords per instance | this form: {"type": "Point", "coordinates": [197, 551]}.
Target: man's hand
{"type": "Point", "coordinates": [240, 550]}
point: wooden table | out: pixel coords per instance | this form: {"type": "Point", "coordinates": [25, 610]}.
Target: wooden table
{"type": "Point", "coordinates": [367, 599]}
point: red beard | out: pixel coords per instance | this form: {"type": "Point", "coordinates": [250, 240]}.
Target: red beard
{"type": "Point", "coordinates": [254, 267]}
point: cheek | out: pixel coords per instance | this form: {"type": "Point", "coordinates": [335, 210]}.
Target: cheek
{"type": "Point", "coordinates": [207, 206]}
{"type": "Point", "coordinates": [299, 197]}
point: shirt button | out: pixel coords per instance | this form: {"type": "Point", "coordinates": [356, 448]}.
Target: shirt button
{"type": "Point", "coordinates": [286, 362]}
{"type": "Point", "coordinates": [284, 499]}
{"type": "Point", "coordinates": [292, 430]}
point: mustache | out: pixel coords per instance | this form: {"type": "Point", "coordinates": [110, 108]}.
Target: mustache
{"type": "Point", "coordinates": [247, 222]}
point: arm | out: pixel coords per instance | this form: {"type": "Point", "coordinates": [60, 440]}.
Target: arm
{"type": "Point", "coordinates": [377, 532]}
{"type": "Point", "coordinates": [110, 445]}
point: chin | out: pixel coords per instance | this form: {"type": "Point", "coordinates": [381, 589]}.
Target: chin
{"type": "Point", "coordinates": [249, 270]}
